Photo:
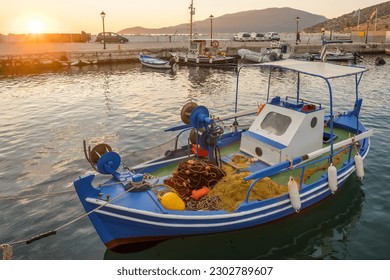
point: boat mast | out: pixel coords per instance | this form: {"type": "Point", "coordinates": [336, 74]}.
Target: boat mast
{"type": "Point", "coordinates": [192, 12]}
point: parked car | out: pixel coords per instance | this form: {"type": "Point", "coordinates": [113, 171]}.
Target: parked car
{"type": "Point", "coordinates": [271, 36]}
{"type": "Point", "coordinates": [242, 37]}
{"type": "Point", "coordinates": [257, 36]}
{"type": "Point", "coordinates": [110, 37]}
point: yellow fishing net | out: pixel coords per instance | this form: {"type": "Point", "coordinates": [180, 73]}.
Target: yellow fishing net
{"type": "Point", "coordinates": [232, 189]}
{"type": "Point", "coordinates": [227, 187]}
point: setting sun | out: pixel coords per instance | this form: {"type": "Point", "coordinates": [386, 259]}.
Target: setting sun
{"type": "Point", "coordinates": [35, 26]}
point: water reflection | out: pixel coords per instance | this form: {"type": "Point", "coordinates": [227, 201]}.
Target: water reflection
{"type": "Point", "coordinates": [317, 233]}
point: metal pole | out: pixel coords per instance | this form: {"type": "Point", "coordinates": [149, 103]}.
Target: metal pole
{"type": "Point", "coordinates": [297, 35]}
{"type": "Point", "coordinates": [103, 14]}
{"type": "Point", "coordinates": [211, 31]}
{"type": "Point", "coordinates": [104, 36]}
{"type": "Point", "coordinates": [192, 12]}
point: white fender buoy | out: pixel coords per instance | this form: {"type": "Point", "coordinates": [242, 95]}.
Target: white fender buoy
{"type": "Point", "coordinates": [359, 166]}
{"type": "Point", "coordinates": [197, 60]}
{"type": "Point", "coordinates": [293, 192]}
{"type": "Point", "coordinates": [186, 59]}
{"type": "Point", "coordinates": [332, 178]}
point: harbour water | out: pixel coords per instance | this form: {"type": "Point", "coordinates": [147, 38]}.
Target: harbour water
{"type": "Point", "coordinates": [46, 116]}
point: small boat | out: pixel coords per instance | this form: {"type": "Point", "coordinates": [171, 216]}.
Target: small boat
{"type": "Point", "coordinates": [387, 51]}
{"type": "Point", "coordinates": [263, 56]}
{"type": "Point", "coordinates": [155, 62]}
{"type": "Point", "coordinates": [200, 53]}
{"type": "Point", "coordinates": [337, 54]}
{"type": "Point", "coordinates": [82, 62]}
{"type": "Point", "coordinates": [275, 52]}
{"type": "Point", "coordinates": [296, 153]}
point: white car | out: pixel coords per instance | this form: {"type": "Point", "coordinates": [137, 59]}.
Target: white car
{"type": "Point", "coordinates": [257, 36]}
{"type": "Point", "coordinates": [243, 37]}
{"type": "Point", "coordinates": [271, 36]}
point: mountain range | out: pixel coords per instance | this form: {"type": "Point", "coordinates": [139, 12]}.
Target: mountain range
{"type": "Point", "coordinates": [377, 15]}
{"type": "Point", "coordinates": [271, 19]}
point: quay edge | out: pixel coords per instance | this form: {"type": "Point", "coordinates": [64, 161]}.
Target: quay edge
{"type": "Point", "coordinates": [25, 62]}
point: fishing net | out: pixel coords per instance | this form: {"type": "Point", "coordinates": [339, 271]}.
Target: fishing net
{"type": "Point", "coordinates": [193, 175]}
{"type": "Point", "coordinates": [232, 189]}
{"type": "Point", "coordinates": [227, 189]}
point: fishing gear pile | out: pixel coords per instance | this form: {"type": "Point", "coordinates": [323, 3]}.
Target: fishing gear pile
{"type": "Point", "coordinates": [193, 175]}
{"type": "Point", "coordinates": [232, 190]}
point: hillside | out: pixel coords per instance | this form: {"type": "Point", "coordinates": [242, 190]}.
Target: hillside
{"type": "Point", "coordinates": [271, 19]}
{"type": "Point", "coordinates": [348, 22]}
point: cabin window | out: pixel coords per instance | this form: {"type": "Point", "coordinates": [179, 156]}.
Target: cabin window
{"type": "Point", "coordinates": [275, 123]}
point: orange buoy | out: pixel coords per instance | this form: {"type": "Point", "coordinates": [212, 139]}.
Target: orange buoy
{"type": "Point", "coordinates": [197, 194]}
{"type": "Point", "coordinates": [201, 152]}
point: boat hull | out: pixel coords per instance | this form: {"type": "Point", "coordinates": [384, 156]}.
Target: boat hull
{"type": "Point", "coordinates": [121, 225]}
{"type": "Point", "coordinates": [154, 62]}
{"type": "Point", "coordinates": [207, 62]}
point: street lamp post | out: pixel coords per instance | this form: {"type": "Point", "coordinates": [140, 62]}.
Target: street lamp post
{"type": "Point", "coordinates": [211, 17]}
{"type": "Point", "coordinates": [298, 37]}
{"type": "Point", "coordinates": [368, 23]}
{"type": "Point", "coordinates": [103, 14]}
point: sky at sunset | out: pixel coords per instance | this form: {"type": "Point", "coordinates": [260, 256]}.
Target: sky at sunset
{"type": "Point", "coordinates": [74, 16]}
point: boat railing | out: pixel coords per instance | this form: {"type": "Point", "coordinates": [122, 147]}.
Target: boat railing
{"type": "Point", "coordinates": [303, 167]}
{"type": "Point", "coordinates": [302, 100]}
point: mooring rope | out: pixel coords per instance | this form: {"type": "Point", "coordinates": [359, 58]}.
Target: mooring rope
{"type": "Point", "coordinates": [7, 247]}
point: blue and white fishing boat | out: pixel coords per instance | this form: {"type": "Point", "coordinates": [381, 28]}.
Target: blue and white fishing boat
{"type": "Point", "coordinates": [155, 62]}
{"type": "Point", "coordinates": [296, 153]}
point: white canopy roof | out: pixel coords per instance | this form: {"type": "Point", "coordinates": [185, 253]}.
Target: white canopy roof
{"type": "Point", "coordinates": [321, 69]}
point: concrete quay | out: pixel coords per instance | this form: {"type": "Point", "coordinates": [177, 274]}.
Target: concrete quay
{"type": "Point", "coordinates": [27, 57]}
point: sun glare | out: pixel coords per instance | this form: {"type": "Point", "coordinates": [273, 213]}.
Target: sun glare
{"type": "Point", "coordinates": [35, 26]}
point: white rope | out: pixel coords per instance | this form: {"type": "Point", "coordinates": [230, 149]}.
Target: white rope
{"type": "Point", "coordinates": [96, 209]}
{"type": "Point", "coordinates": [7, 248]}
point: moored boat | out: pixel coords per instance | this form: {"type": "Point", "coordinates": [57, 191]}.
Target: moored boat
{"type": "Point", "coordinates": [155, 62]}
{"type": "Point", "coordinates": [201, 54]}
{"type": "Point", "coordinates": [336, 55]}
{"type": "Point", "coordinates": [277, 51]}
{"type": "Point", "coordinates": [387, 51]}
{"type": "Point", "coordinates": [296, 153]}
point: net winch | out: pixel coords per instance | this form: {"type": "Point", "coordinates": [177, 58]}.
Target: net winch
{"type": "Point", "coordinates": [205, 131]}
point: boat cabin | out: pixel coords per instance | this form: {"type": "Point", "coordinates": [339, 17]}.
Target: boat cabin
{"type": "Point", "coordinates": [198, 47]}
{"type": "Point", "coordinates": [280, 129]}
